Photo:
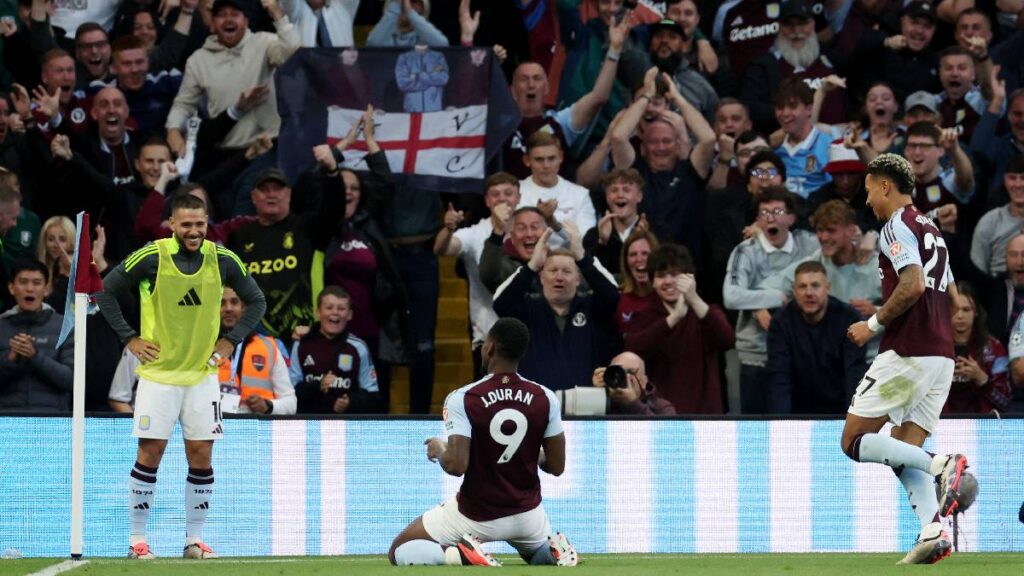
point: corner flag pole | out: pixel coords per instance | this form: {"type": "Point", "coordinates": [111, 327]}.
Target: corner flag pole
{"type": "Point", "coordinates": [84, 280]}
{"type": "Point", "coordinates": [78, 427]}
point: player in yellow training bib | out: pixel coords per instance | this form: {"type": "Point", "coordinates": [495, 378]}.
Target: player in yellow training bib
{"type": "Point", "coordinates": [179, 282]}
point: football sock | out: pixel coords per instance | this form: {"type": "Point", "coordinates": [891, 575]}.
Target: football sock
{"type": "Point", "coordinates": [141, 487]}
{"type": "Point", "coordinates": [542, 556]}
{"type": "Point", "coordinates": [920, 488]}
{"type": "Point", "coordinates": [892, 452]}
{"type": "Point", "coordinates": [422, 552]}
{"type": "Point", "coordinates": [198, 491]}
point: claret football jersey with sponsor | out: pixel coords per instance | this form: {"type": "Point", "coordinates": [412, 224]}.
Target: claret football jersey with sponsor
{"type": "Point", "coordinates": [910, 237]}
{"type": "Point", "coordinates": [506, 418]}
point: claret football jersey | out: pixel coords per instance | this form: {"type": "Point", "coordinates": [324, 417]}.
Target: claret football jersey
{"type": "Point", "coordinates": [507, 418]}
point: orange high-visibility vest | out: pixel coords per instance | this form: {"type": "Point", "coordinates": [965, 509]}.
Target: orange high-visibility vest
{"type": "Point", "coordinates": [257, 355]}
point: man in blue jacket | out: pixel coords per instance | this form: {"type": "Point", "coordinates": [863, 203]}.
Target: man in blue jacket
{"type": "Point", "coordinates": [812, 367]}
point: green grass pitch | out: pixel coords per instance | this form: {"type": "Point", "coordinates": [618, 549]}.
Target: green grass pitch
{"type": "Point", "coordinates": [987, 564]}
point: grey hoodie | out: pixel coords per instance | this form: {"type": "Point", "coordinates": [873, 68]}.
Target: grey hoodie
{"type": "Point", "coordinates": [42, 382]}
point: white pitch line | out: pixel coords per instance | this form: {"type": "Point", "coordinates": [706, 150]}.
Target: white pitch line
{"type": "Point", "coordinates": [62, 567]}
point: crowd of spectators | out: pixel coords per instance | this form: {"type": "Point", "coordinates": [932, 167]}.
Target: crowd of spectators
{"type": "Point", "coordinates": [686, 179]}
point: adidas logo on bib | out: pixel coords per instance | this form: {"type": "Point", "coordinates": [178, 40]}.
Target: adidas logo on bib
{"type": "Point", "coordinates": [191, 298]}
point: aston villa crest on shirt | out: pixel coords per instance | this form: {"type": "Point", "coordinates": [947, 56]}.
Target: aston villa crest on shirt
{"type": "Point", "coordinates": [933, 192]}
{"type": "Point", "coordinates": [772, 10]}
{"type": "Point", "coordinates": [345, 362]}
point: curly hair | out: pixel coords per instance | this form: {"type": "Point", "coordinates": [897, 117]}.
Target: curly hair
{"type": "Point", "coordinates": [896, 168]}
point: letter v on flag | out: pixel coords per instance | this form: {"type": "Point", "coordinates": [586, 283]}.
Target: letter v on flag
{"type": "Point", "coordinates": [88, 282]}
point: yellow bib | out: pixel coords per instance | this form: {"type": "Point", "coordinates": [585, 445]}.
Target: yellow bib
{"type": "Point", "coordinates": [182, 316]}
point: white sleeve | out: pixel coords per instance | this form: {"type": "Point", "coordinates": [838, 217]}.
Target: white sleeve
{"type": "Point", "coordinates": [285, 402]}
{"type": "Point", "coordinates": [367, 373]}
{"type": "Point", "coordinates": [555, 414]}
{"type": "Point", "coordinates": [122, 385]}
{"type": "Point", "coordinates": [455, 419]}
{"type": "Point", "coordinates": [901, 246]}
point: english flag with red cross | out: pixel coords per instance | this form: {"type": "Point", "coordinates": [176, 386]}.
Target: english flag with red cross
{"type": "Point", "coordinates": [440, 114]}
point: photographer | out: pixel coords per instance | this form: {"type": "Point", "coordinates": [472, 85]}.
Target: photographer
{"type": "Point", "coordinates": [629, 391]}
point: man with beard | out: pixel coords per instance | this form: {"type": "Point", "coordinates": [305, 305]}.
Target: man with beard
{"type": "Point", "coordinates": [751, 262]}
{"type": "Point", "coordinates": [796, 54]}
{"type": "Point", "coordinates": [812, 367]}
{"type": "Point", "coordinates": [179, 281]}
{"type": "Point", "coordinates": [92, 50]}
{"type": "Point", "coordinates": [666, 53]}
{"type": "Point", "coordinates": [961, 103]}
{"type": "Point", "coordinates": [906, 61]}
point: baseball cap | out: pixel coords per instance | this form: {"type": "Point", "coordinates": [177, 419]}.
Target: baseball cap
{"type": "Point", "coordinates": [268, 175]}
{"type": "Point", "coordinates": [667, 24]}
{"type": "Point", "coordinates": [921, 98]}
{"type": "Point", "coordinates": [795, 9]}
{"type": "Point", "coordinates": [842, 160]}
{"type": "Point", "coordinates": [237, 4]}
{"type": "Point", "coordinates": [922, 9]}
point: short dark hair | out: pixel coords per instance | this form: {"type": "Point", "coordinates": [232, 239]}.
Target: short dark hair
{"type": "Point", "coordinates": [975, 12]}
{"type": "Point", "coordinates": [895, 168]}
{"type": "Point", "coordinates": [670, 257]}
{"type": "Point", "coordinates": [925, 129]}
{"type": "Point", "coordinates": [809, 267]}
{"type": "Point", "coordinates": [761, 157]}
{"type": "Point", "coordinates": [87, 27]}
{"type": "Point", "coordinates": [776, 194]}
{"type": "Point", "coordinates": [127, 42]}
{"type": "Point", "coordinates": [1015, 165]}
{"type": "Point", "coordinates": [748, 136]}
{"type": "Point", "coordinates": [29, 265]}
{"type": "Point", "coordinates": [333, 290]}
{"type": "Point", "coordinates": [954, 50]}
{"type": "Point", "coordinates": [792, 89]}
{"type": "Point", "coordinates": [188, 202]}
{"type": "Point", "coordinates": [511, 338]}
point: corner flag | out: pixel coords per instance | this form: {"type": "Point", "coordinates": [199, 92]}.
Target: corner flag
{"type": "Point", "coordinates": [88, 282]}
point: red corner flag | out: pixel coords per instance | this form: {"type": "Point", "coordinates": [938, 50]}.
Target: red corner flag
{"type": "Point", "coordinates": [87, 279]}
{"type": "Point", "coordinates": [85, 276]}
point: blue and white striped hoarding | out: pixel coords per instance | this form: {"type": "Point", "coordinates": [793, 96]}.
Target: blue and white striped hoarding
{"type": "Point", "coordinates": [294, 487]}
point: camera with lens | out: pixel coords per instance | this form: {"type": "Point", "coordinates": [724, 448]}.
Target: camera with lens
{"type": "Point", "coordinates": [615, 377]}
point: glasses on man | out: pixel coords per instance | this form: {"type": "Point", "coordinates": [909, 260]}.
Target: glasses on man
{"type": "Point", "coordinates": [764, 172]}
{"type": "Point", "coordinates": [777, 212]}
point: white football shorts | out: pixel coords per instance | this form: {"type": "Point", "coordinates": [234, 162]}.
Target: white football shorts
{"type": "Point", "coordinates": [159, 406]}
{"type": "Point", "coordinates": [907, 389]}
{"type": "Point", "coordinates": [526, 531]}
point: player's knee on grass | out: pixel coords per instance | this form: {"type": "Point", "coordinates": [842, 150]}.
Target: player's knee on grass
{"type": "Point", "coordinates": [541, 556]}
